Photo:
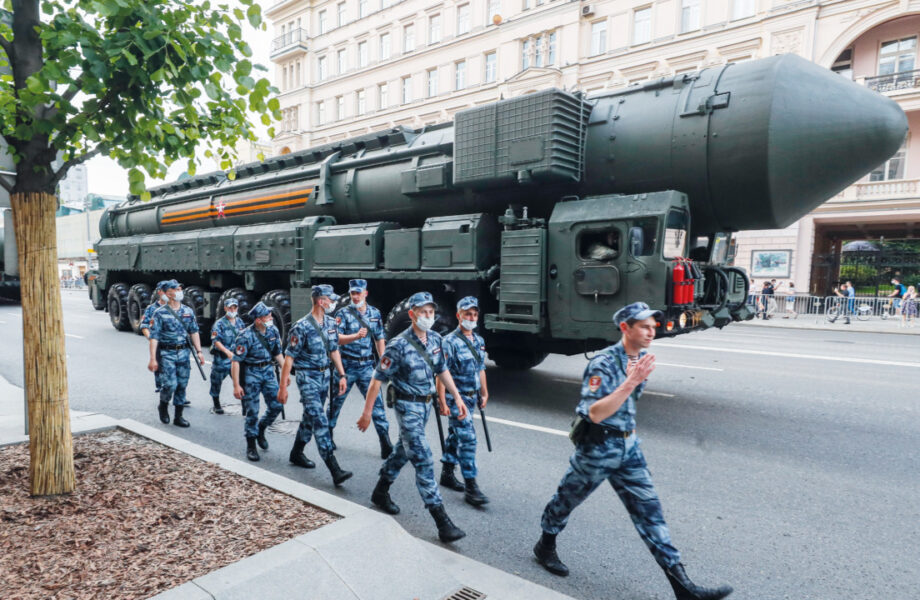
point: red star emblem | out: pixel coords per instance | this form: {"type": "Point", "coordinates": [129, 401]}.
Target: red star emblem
{"type": "Point", "coordinates": [220, 209]}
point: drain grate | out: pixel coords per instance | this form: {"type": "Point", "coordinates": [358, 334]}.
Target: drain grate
{"type": "Point", "coordinates": [465, 593]}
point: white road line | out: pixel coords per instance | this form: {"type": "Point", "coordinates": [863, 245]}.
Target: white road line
{"type": "Point", "coordinates": [664, 364]}
{"type": "Point", "coordinates": [650, 393]}
{"type": "Point", "coordinates": [525, 426]}
{"type": "Point", "coordinates": [79, 337]}
{"type": "Point", "coordinates": [846, 359]}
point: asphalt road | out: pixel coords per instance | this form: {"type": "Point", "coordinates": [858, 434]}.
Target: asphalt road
{"type": "Point", "coordinates": [786, 461]}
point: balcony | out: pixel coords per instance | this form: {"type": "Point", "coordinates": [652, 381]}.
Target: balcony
{"type": "Point", "coordinates": [895, 82]}
{"type": "Point", "coordinates": [293, 41]}
{"type": "Point", "coordinates": [895, 189]}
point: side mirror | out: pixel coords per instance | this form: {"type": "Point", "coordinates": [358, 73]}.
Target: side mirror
{"type": "Point", "coordinates": [636, 241]}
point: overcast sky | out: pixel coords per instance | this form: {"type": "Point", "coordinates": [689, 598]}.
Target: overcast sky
{"type": "Point", "coordinates": [106, 177]}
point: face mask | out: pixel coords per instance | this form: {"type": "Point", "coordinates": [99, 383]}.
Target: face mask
{"type": "Point", "coordinates": [164, 298]}
{"type": "Point", "coordinates": [268, 323]}
{"type": "Point", "coordinates": [468, 324]}
{"type": "Point", "coordinates": [231, 315]}
{"type": "Point", "coordinates": [359, 304]}
{"type": "Point", "coordinates": [329, 308]}
{"type": "Point", "coordinates": [179, 296]}
{"type": "Point", "coordinates": [425, 323]}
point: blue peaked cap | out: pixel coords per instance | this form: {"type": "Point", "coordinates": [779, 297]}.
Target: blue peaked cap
{"type": "Point", "coordinates": [259, 310]}
{"type": "Point", "coordinates": [637, 311]}
{"type": "Point", "coordinates": [324, 289]}
{"type": "Point", "coordinates": [357, 285]}
{"type": "Point", "coordinates": [420, 299]}
{"type": "Point", "coordinates": [468, 302]}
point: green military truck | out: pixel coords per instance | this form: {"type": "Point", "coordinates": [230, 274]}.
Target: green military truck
{"type": "Point", "coordinates": [554, 208]}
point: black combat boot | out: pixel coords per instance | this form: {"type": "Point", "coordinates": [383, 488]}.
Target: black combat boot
{"type": "Point", "coordinates": [546, 556]}
{"type": "Point", "coordinates": [164, 413]}
{"type": "Point", "coordinates": [251, 452]}
{"type": "Point", "coordinates": [218, 409]}
{"type": "Point", "coordinates": [263, 443]}
{"type": "Point", "coordinates": [473, 494]}
{"type": "Point", "coordinates": [381, 497]}
{"type": "Point", "coordinates": [178, 420]}
{"type": "Point", "coordinates": [447, 531]}
{"type": "Point", "coordinates": [385, 446]}
{"type": "Point", "coordinates": [684, 589]}
{"type": "Point", "coordinates": [339, 475]}
{"type": "Point", "coordinates": [449, 480]}
{"type": "Point", "coordinates": [297, 457]}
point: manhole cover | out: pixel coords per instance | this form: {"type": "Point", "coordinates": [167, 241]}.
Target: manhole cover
{"type": "Point", "coordinates": [465, 593]}
{"type": "Point", "coordinates": [284, 427]}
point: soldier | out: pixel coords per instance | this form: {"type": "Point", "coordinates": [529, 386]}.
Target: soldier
{"type": "Point", "coordinates": [360, 328]}
{"type": "Point", "coordinates": [465, 355]}
{"type": "Point", "coordinates": [223, 334]}
{"type": "Point", "coordinates": [312, 345]}
{"type": "Point", "coordinates": [256, 347]}
{"type": "Point", "coordinates": [171, 326]}
{"type": "Point", "coordinates": [606, 447]}
{"type": "Point", "coordinates": [147, 322]}
{"type": "Point", "coordinates": [411, 362]}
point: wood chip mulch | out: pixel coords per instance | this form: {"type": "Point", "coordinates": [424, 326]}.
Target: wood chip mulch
{"type": "Point", "coordinates": [144, 518]}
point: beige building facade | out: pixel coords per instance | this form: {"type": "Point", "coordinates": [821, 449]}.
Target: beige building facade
{"type": "Point", "coordinates": [349, 67]}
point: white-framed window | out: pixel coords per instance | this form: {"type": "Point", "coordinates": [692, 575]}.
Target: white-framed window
{"type": "Point", "coordinates": [432, 82]}
{"type": "Point", "coordinates": [434, 29]}
{"type": "Point", "coordinates": [323, 24]}
{"type": "Point", "coordinates": [463, 19]}
{"type": "Point", "coordinates": [362, 54]}
{"type": "Point", "coordinates": [527, 4]}
{"type": "Point", "coordinates": [844, 64]}
{"type": "Point", "coordinates": [341, 19]}
{"type": "Point", "coordinates": [897, 56]}
{"type": "Point", "coordinates": [598, 37]}
{"type": "Point", "coordinates": [290, 119]}
{"type": "Point", "coordinates": [460, 75]}
{"type": "Point", "coordinates": [538, 51]}
{"type": "Point", "coordinates": [689, 15]}
{"type": "Point", "coordinates": [407, 89]}
{"type": "Point", "coordinates": [297, 71]}
{"type": "Point", "coordinates": [494, 8]}
{"type": "Point", "coordinates": [384, 46]}
{"type": "Point", "coordinates": [642, 25]}
{"type": "Point", "coordinates": [360, 102]}
{"type": "Point", "coordinates": [551, 49]}
{"type": "Point", "coordinates": [321, 68]}
{"type": "Point", "coordinates": [743, 8]}
{"type": "Point", "coordinates": [409, 38]}
{"type": "Point", "coordinates": [525, 54]}
{"type": "Point", "coordinates": [383, 96]}
{"type": "Point", "coordinates": [341, 61]}
{"type": "Point", "coordinates": [893, 168]}
{"type": "Point", "coordinates": [321, 112]}
{"type": "Point", "coordinates": [491, 67]}
{"type": "Point", "coordinates": [339, 108]}
{"type": "Point", "coordinates": [362, 8]}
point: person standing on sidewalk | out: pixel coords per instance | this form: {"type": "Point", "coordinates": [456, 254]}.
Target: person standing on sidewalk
{"type": "Point", "coordinates": [173, 324]}
{"type": "Point", "coordinates": [223, 334]}
{"type": "Point", "coordinates": [147, 323]}
{"type": "Point", "coordinates": [411, 362]}
{"type": "Point", "coordinates": [253, 373]}
{"type": "Point", "coordinates": [909, 307]}
{"type": "Point", "coordinates": [312, 346]}
{"type": "Point", "coordinates": [465, 353]}
{"type": "Point", "coordinates": [606, 448]}
{"type": "Point", "coordinates": [360, 330]}
{"type": "Point", "coordinates": [843, 305]}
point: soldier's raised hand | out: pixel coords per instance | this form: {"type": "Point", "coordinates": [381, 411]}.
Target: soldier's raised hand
{"type": "Point", "coordinates": [641, 369]}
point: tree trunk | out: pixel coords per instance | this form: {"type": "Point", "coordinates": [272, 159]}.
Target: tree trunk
{"type": "Point", "coordinates": [45, 365]}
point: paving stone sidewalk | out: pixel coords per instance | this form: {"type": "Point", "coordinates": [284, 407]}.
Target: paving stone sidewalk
{"type": "Point", "coordinates": [819, 322]}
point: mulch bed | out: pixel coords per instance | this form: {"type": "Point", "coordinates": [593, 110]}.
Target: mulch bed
{"type": "Point", "coordinates": [144, 518]}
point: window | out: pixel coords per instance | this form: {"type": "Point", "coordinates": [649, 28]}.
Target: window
{"type": "Point", "coordinates": [460, 75]}
{"type": "Point", "coordinates": [495, 7]}
{"type": "Point", "coordinates": [645, 242]}
{"type": "Point", "coordinates": [525, 54]}
{"type": "Point", "coordinates": [321, 113]}
{"type": "Point", "coordinates": [642, 25]}
{"type": "Point", "coordinates": [743, 9]}
{"type": "Point", "coordinates": [527, 4]}
{"type": "Point", "coordinates": [362, 54]}
{"type": "Point", "coordinates": [323, 22]}
{"type": "Point", "coordinates": [490, 67]}
{"type": "Point", "coordinates": [551, 50]}
{"type": "Point", "coordinates": [598, 38]}
{"type": "Point", "coordinates": [406, 90]}
{"type": "Point", "coordinates": [340, 14]}
{"type": "Point", "coordinates": [341, 61]}
{"type": "Point", "coordinates": [360, 102]}
{"type": "Point", "coordinates": [383, 96]}
{"type": "Point", "coordinates": [897, 56]}
{"type": "Point", "coordinates": [893, 168]}
{"type": "Point", "coordinates": [362, 8]}
{"type": "Point", "coordinates": [463, 19]}
{"type": "Point", "coordinates": [844, 64]}
{"type": "Point", "coordinates": [290, 119]}
{"type": "Point", "coordinates": [538, 52]}
{"type": "Point", "coordinates": [384, 46]}
{"type": "Point", "coordinates": [602, 245]}
{"type": "Point", "coordinates": [339, 108]}
{"type": "Point", "coordinates": [689, 15]}
{"type": "Point", "coordinates": [432, 83]}
{"type": "Point", "coordinates": [408, 38]}
{"type": "Point", "coordinates": [297, 71]}
{"type": "Point", "coordinates": [434, 29]}
{"type": "Point", "coordinates": [321, 71]}
{"type": "Point", "coordinates": [675, 234]}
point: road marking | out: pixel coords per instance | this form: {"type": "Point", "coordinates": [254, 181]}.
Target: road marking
{"type": "Point", "coordinates": [650, 393]}
{"type": "Point", "coordinates": [865, 361]}
{"type": "Point", "coordinates": [79, 337]}
{"type": "Point", "coordinates": [664, 364]}
{"type": "Point", "coordinates": [525, 426]}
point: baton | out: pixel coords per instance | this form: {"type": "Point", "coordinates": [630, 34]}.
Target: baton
{"type": "Point", "coordinates": [191, 348]}
{"type": "Point", "coordinates": [437, 414]}
{"type": "Point", "coordinates": [485, 427]}
{"type": "Point", "coordinates": [278, 377]}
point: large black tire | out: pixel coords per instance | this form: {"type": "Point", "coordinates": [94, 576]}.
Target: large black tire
{"type": "Point", "coordinates": [398, 318]}
{"type": "Point", "coordinates": [516, 360]}
{"type": "Point", "coordinates": [279, 301]}
{"type": "Point", "coordinates": [138, 301]}
{"type": "Point", "coordinates": [195, 299]}
{"type": "Point", "coordinates": [118, 306]}
{"type": "Point", "coordinates": [95, 294]}
{"type": "Point", "coordinates": [245, 300]}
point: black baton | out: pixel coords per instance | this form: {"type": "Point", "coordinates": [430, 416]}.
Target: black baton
{"type": "Point", "coordinates": [191, 348]}
{"type": "Point", "coordinates": [485, 426]}
{"type": "Point", "coordinates": [437, 415]}
{"type": "Point", "coordinates": [278, 377]}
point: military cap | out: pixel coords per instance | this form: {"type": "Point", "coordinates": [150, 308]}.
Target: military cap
{"type": "Point", "coordinates": [259, 310]}
{"type": "Point", "coordinates": [231, 302]}
{"type": "Point", "coordinates": [357, 285]}
{"type": "Point", "coordinates": [420, 299]}
{"type": "Point", "coordinates": [324, 289]}
{"type": "Point", "coordinates": [162, 285]}
{"type": "Point", "coordinates": [637, 311]}
{"type": "Point", "coordinates": [468, 302]}
{"type": "Point", "coordinates": [171, 284]}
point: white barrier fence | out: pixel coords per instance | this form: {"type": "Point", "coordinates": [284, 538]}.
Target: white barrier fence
{"type": "Point", "coordinates": [824, 307]}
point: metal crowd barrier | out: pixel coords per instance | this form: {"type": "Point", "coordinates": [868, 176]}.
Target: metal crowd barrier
{"type": "Point", "coordinates": [821, 308]}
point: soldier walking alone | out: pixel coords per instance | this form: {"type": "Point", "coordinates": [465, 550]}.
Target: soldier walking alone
{"type": "Point", "coordinates": [606, 448]}
{"type": "Point", "coordinates": [223, 334]}
{"type": "Point", "coordinates": [147, 323]}
{"type": "Point", "coordinates": [411, 362]}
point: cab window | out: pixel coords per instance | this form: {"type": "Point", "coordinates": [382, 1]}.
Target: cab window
{"type": "Point", "coordinates": [649, 229]}
{"type": "Point", "coordinates": [601, 245]}
{"type": "Point", "coordinates": [675, 234]}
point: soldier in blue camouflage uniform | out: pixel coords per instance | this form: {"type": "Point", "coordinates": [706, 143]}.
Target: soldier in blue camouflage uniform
{"type": "Point", "coordinates": [606, 448]}
{"type": "Point", "coordinates": [147, 322]}
{"type": "Point", "coordinates": [256, 348]}
{"type": "Point", "coordinates": [312, 345]}
{"type": "Point", "coordinates": [356, 344]}
{"type": "Point", "coordinates": [169, 334]}
{"type": "Point", "coordinates": [411, 375]}
{"type": "Point", "coordinates": [465, 354]}
{"type": "Point", "coordinates": [223, 334]}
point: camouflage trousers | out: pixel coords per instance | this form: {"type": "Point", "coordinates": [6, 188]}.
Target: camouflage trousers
{"type": "Point", "coordinates": [412, 446]}
{"type": "Point", "coordinates": [174, 370]}
{"type": "Point", "coordinates": [220, 369]}
{"type": "Point", "coordinates": [314, 387]}
{"type": "Point", "coordinates": [619, 461]}
{"type": "Point", "coordinates": [460, 446]}
{"type": "Point", "coordinates": [360, 373]}
{"type": "Point", "coordinates": [260, 381]}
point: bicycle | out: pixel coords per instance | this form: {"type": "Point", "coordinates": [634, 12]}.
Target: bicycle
{"type": "Point", "coordinates": [837, 309]}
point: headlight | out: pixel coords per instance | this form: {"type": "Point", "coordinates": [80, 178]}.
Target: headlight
{"type": "Point", "coordinates": [682, 320]}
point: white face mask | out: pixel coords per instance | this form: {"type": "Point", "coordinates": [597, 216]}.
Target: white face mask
{"type": "Point", "coordinates": [231, 315]}
{"type": "Point", "coordinates": [164, 298]}
{"type": "Point", "coordinates": [268, 323]}
{"type": "Point", "coordinates": [467, 324]}
{"type": "Point", "coordinates": [329, 308]}
{"type": "Point", "coordinates": [359, 304]}
{"type": "Point", "coordinates": [425, 323]}
{"type": "Point", "coordinates": [179, 296]}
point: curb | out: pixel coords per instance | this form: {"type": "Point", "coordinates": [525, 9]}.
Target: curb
{"type": "Point", "coordinates": [818, 327]}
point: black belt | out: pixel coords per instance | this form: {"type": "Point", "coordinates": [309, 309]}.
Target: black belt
{"type": "Point", "coordinates": [600, 431]}
{"type": "Point", "coordinates": [468, 392]}
{"type": "Point", "coordinates": [410, 398]}
{"type": "Point", "coordinates": [317, 369]}
{"type": "Point", "coordinates": [258, 364]}
{"type": "Point", "coordinates": [172, 346]}
{"type": "Point", "coordinates": [356, 359]}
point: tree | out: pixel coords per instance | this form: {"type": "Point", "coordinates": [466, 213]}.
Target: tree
{"type": "Point", "coordinates": [145, 82]}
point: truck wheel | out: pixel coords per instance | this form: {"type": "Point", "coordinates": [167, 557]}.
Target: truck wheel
{"type": "Point", "coordinates": [516, 360]}
{"type": "Point", "coordinates": [138, 300]}
{"type": "Point", "coordinates": [245, 300]}
{"type": "Point", "coordinates": [279, 302]}
{"type": "Point", "coordinates": [195, 299]}
{"type": "Point", "coordinates": [118, 306]}
{"type": "Point", "coordinates": [95, 294]}
{"type": "Point", "coordinates": [398, 319]}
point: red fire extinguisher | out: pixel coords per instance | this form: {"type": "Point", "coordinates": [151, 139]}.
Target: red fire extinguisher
{"type": "Point", "coordinates": [677, 278]}
{"type": "Point", "coordinates": [689, 281]}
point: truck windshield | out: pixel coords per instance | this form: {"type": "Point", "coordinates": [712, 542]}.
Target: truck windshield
{"type": "Point", "coordinates": [720, 245]}
{"type": "Point", "coordinates": [675, 234]}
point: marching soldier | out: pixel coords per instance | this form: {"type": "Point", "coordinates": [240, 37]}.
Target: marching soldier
{"type": "Point", "coordinates": [465, 354]}
{"type": "Point", "coordinates": [147, 322]}
{"type": "Point", "coordinates": [312, 345]}
{"type": "Point", "coordinates": [360, 328]}
{"type": "Point", "coordinates": [223, 334]}
{"type": "Point", "coordinates": [172, 326]}
{"type": "Point", "coordinates": [411, 362]}
{"type": "Point", "coordinates": [606, 448]}
{"type": "Point", "coordinates": [256, 347]}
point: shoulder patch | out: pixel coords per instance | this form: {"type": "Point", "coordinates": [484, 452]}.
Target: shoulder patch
{"type": "Point", "coordinates": [294, 340]}
{"type": "Point", "coordinates": [240, 349]}
{"type": "Point", "coordinates": [385, 363]}
{"type": "Point", "coordinates": [594, 383]}
{"type": "Point", "coordinates": [338, 320]}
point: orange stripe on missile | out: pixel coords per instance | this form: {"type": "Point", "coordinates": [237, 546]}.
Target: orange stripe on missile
{"type": "Point", "coordinates": [176, 213]}
{"type": "Point", "coordinates": [239, 207]}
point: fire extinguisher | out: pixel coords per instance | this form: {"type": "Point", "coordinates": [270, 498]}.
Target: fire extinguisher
{"type": "Point", "coordinates": [689, 281]}
{"type": "Point", "coordinates": [677, 279]}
